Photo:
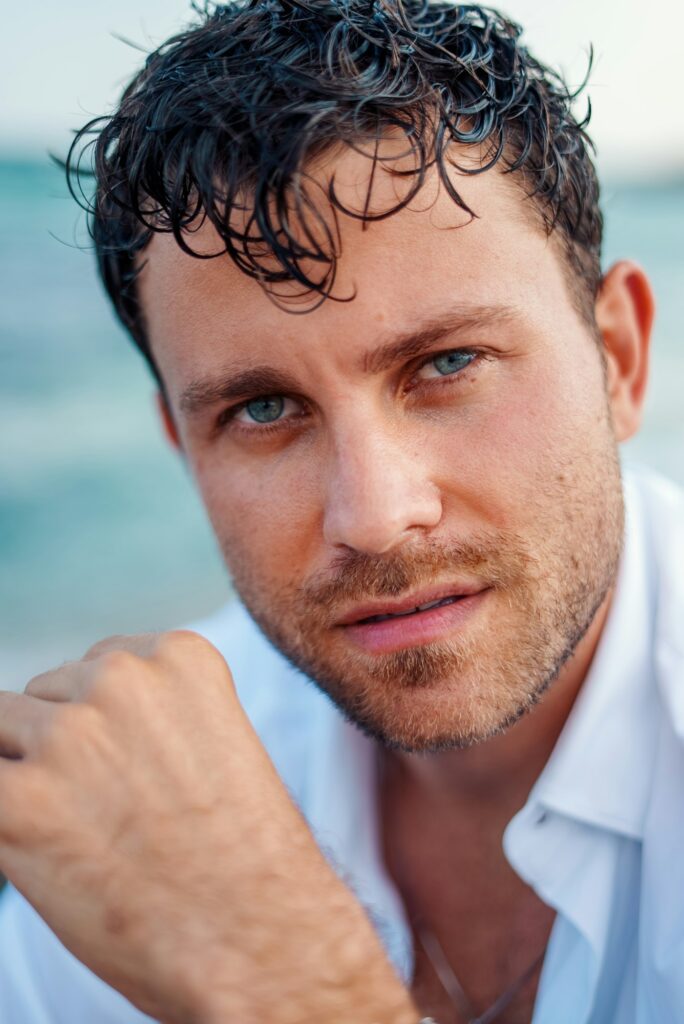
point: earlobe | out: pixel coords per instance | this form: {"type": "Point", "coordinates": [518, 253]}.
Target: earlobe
{"type": "Point", "coordinates": [168, 422]}
{"type": "Point", "coordinates": [624, 314]}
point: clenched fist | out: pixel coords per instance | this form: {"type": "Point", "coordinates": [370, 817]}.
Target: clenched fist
{"type": "Point", "coordinates": [141, 816]}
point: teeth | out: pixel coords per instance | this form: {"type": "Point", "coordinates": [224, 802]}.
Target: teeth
{"type": "Point", "coordinates": [412, 611]}
{"type": "Point", "coordinates": [434, 604]}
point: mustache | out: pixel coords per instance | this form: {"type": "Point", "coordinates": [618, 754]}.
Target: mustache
{"type": "Point", "coordinates": [495, 561]}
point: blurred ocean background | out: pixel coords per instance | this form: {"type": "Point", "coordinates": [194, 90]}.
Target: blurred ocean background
{"type": "Point", "coordinates": [100, 529]}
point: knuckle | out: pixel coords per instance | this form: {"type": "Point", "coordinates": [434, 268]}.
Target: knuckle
{"type": "Point", "coordinates": [36, 684]}
{"type": "Point", "coordinates": [114, 673]}
{"type": "Point", "coordinates": [186, 646]}
{"type": "Point", "coordinates": [178, 640]}
{"type": "Point", "coordinates": [42, 684]}
{"type": "Point", "coordinates": [100, 648]}
{"type": "Point", "coordinates": [117, 664]}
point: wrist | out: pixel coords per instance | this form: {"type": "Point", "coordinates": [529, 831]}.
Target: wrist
{"type": "Point", "coordinates": [389, 1003]}
{"type": "Point", "coordinates": [348, 981]}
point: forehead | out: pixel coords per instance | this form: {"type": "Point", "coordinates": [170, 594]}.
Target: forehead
{"type": "Point", "coordinates": [427, 256]}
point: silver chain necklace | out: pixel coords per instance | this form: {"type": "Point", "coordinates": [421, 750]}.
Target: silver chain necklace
{"type": "Point", "coordinates": [453, 988]}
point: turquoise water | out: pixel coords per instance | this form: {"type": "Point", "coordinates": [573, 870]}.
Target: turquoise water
{"type": "Point", "coordinates": [100, 530]}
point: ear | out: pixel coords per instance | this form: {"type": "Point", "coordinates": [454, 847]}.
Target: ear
{"type": "Point", "coordinates": [168, 423]}
{"type": "Point", "coordinates": [624, 313]}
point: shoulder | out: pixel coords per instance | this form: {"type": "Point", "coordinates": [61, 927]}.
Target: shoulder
{"type": "Point", "coordinates": [658, 505]}
{"type": "Point", "coordinates": [662, 502]}
{"type": "Point", "coordinates": [662, 887]}
{"type": "Point", "coordinates": [662, 505]}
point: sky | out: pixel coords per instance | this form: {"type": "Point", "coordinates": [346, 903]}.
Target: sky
{"type": "Point", "coordinates": [63, 63]}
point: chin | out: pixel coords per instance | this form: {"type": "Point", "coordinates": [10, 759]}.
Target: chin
{"type": "Point", "coordinates": [435, 720]}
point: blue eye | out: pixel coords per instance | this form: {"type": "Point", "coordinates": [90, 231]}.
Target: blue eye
{"type": "Point", "coordinates": [265, 410]}
{"type": "Point", "coordinates": [452, 362]}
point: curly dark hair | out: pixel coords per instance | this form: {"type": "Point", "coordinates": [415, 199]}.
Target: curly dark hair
{"type": "Point", "coordinates": [224, 119]}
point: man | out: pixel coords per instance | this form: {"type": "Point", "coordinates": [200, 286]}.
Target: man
{"type": "Point", "coordinates": [359, 246]}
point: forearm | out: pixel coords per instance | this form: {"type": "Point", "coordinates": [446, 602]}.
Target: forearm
{"type": "Point", "coordinates": [343, 976]}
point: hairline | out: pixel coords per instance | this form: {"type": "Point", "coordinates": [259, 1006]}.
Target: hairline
{"type": "Point", "coordinates": [561, 248]}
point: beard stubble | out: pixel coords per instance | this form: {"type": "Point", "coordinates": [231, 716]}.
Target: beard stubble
{"type": "Point", "coordinates": [545, 589]}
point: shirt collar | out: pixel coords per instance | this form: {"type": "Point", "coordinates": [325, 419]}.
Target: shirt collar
{"type": "Point", "coordinates": [601, 767]}
{"type": "Point", "coordinates": [580, 829]}
{"type": "Point", "coordinates": [598, 775]}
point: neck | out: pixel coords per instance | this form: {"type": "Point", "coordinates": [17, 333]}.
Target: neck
{"type": "Point", "coordinates": [499, 773]}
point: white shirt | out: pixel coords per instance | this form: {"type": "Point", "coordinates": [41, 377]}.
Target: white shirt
{"type": "Point", "coordinates": [600, 839]}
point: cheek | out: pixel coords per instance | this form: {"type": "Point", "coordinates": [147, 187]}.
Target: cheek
{"type": "Point", "coordinates": [520, 448]}
{"type": "Point", "coordinates": [265, 514]}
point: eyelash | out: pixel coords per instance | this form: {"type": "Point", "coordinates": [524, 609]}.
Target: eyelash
{"type": "Point", "coordinates": [227, 417]}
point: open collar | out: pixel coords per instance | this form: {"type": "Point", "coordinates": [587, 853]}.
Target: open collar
{"type": "Point", "coordinates": [600, 770]}
{"type": "Point", "coordinates": [595, 785]}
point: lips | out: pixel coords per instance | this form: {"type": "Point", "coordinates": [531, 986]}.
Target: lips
{"type": "Point", "coordinates": [411, 611]}
{"type": "Point", "coordinates": [381, 630]}
{"type": "Point", "coordinates": [420, 601]}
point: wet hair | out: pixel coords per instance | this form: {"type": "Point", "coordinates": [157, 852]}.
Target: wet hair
{"type": "Point", "coordinates": [225, 120]}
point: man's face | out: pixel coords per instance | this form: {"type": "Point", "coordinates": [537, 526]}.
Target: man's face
{"type": "Point", "coordinates": [443, 438]}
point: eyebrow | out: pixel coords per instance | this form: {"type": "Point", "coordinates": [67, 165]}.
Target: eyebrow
{"type": "Point", "coordinates": [434, 329]}
{"type": "Point", "coordinates": [236, 383]}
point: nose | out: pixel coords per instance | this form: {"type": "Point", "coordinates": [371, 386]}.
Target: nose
{"type": "Point", "coordinates": [379, 492]}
